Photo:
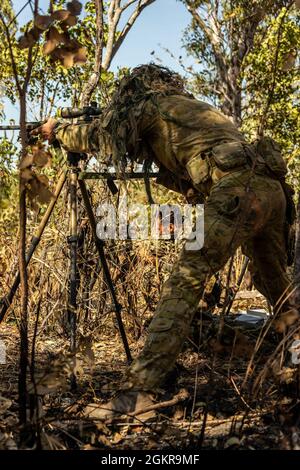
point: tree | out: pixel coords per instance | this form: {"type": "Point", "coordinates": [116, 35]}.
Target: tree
{"type": "Point", "coordinates": [249, 66]}
{"type": "Point", "coordinates": [221, 37]}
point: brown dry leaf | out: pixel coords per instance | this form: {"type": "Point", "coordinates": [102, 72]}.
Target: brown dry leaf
{"type": "Point", "coordinates": [40, 156]}
{"type": "Point", "coordinates": [68, 60]}
{"type": "Point", "coordinates": [70, 21]}
{"type": "Point", "coordinates": [88, 447]}
{"type": "Point", "coordinates": [60, 15]}
{"type": "Point", "coordinates": [54, 38]}
{"type": "Point", "coordinates": [151, 444]}
{"type": "Point", "coordinates": [64, 55]}
{"type": "Point", "coordinates": [297, 3]}
{"type": "Point", "coordinates": [104, 440]}
{"type": "Point", "coordinates": [117, 438]}
{"type": "Point", "coordinates": [49, 46]}
{"type": "Point", "coordinates": [81, 56]}
{"type": "Point", "coordinates": [74, 7]}
{"type": "Point", "coordinates": [42, 22]}
{"type": "Point", "coordinates": [5, 404]}
{"type": "Point", "coordinates": [56, 55]}
{"type": "Point", "coordinates": [39, 189]}
{"type": "Point", "coordinates": [62, 38]}
{"type": "Point", "coordinates": [26, 175]}
{"type": "Point", "coordinates": [29, 38]}
{"type": "Point", "coordinates": [25, 41]}
{"type": "Point", "coordinates": [86, 349]}
{"type": "Point", "coordinates": [26, 161]}
{"type": "Point", "coordinates": [43, 179]}
{"type": "Point", "coordinates": [3, 266]}
{"type": "Point", "coordinates": [78, 369]}
{"type": "Point", "coordinates": [289, 61]}
{"type": "Point", "coordinates": [73, 45]}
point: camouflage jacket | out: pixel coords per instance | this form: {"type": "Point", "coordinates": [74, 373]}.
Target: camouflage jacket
{"type": "Point", "coordinates": [172, 131]}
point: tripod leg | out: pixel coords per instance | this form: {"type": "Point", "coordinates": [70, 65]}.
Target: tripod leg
{"type": "Point", "coordinates": [7, 300]}
{"type": "Point", "coordinates": [73, 277]}
{"type": "Point", "coordinates": [100, 248]}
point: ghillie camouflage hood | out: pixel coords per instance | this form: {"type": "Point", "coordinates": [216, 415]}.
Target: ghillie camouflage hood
{"type": "Point", "coordinates": [143, 83]}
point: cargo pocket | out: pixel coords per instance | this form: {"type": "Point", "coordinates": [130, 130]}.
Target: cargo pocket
{"type": "Point", "coordinates": [198, 169]}
{"type": "Point", "coordinates": [229, 155]}
{"type": "Point", "coordinates": [159, 325]}
{"type": "Point", "coordinates": [231, 207]}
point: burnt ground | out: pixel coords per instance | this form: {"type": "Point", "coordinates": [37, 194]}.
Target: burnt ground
{"type": "Point", "coordinates": [218, 411]}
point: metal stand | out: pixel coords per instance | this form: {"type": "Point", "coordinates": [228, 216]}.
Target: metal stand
{"type": "Point", "coordinates": [74, 183]}
{"type": "Point", "coordinates": [73, 160]}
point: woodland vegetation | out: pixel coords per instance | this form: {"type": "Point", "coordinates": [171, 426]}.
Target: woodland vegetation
{"type": "Point", "coordinates": [246, 56]}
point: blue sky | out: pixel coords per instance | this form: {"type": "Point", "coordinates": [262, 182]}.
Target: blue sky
{"type": "Point", "coordinates": [161, 23]}
{"type": "Point", "coordinates": [159, 26]}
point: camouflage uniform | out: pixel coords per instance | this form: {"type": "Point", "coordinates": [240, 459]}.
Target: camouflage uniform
{"type": "Point", "coordinates": [243, 208]}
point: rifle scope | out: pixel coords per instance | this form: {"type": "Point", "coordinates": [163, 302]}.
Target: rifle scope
{"type": "Point", "coordinates": [69, 112]}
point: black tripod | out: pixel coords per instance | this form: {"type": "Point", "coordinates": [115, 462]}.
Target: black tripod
{"type": "Point", "coordinates": [76, 180]}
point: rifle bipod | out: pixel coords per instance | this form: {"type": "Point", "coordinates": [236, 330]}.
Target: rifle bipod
{"type": "Point", "coordinates": [72, 174]}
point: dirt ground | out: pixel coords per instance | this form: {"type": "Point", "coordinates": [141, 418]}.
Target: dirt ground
{"type": "Point", "coordinates": [218, 411]}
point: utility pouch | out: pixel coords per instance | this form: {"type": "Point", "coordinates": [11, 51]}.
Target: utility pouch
{"type": "Point", "coordinates": [159, 325]}
{"type": "Point", "coordinates": [229, 155]}
{"type": "Point", "coordinates": [270, 151]}
{"type": "Point", "coordinates": [198, 169]}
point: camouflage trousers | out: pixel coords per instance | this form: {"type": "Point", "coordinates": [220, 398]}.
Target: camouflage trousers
{"type": "Point", "coordinates": [243, 209]}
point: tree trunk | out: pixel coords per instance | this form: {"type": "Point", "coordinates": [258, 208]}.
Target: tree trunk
{"type": "Point", "coordinates": [297, 257]}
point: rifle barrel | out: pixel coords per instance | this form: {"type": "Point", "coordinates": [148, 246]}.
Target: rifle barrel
{"type": "Point", "coordinates": [9, 128]}
{"type": "Point", "coordinates": [29, 125]}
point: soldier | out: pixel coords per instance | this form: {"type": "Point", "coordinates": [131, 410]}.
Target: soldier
{"type": "Point", "coordinates": [197, 149]}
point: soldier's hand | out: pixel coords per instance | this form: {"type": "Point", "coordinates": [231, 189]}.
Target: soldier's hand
{"type": "Point", "coordinates": [46, 130]}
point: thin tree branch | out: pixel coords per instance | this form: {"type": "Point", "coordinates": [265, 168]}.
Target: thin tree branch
{"type": "Point", "coordinates": [113, 45]}
{"type": "Point", "coordinates": [95, 77]}
{"type": "Point", "coordinates": [269, 101]}
{"type": "Point", "coordinates": [113, 20]}
{"type": "Point", "coordinates": [12, 56]}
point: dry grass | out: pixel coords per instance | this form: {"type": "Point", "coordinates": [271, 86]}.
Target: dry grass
{"type": "Point", "coordinates": [231, 397]}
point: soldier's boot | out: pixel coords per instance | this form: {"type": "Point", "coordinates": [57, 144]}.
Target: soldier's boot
{"type": "Point", "coordinates": [147, 373]}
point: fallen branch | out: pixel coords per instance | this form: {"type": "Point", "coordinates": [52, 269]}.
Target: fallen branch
{"type": "Point", "coordinates": [181, 396]}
